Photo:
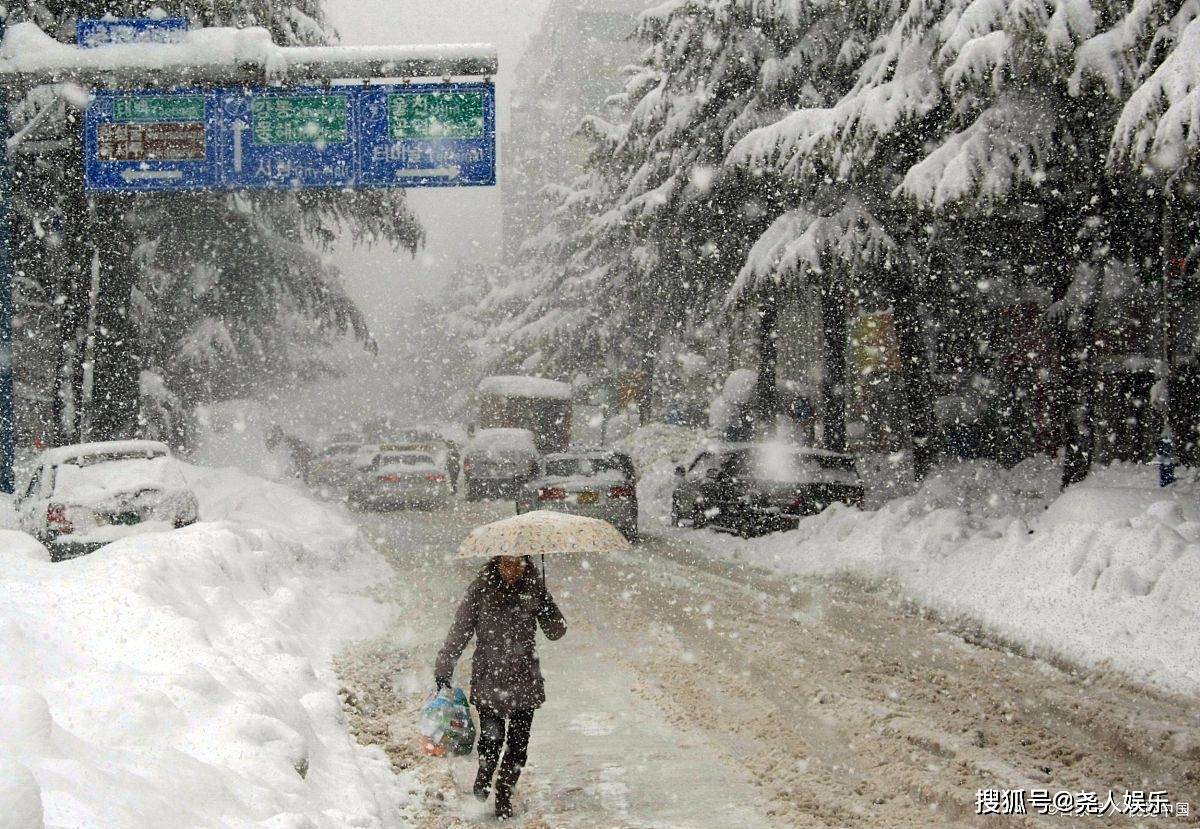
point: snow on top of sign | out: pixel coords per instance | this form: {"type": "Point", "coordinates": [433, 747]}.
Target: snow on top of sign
{"type": "Point", "coordinates": [514, 386]}
{"type": "Point", "coordinates": [27, 49]}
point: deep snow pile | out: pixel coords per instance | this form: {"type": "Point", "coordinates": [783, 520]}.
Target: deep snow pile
{"type": "Point", "coordinates": [656, 449]}
{"type": "Point", "coordinates": [1106, 574]}
{"type": "Point", "coordinates": [182, 679]}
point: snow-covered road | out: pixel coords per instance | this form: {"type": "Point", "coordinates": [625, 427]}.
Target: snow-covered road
{"type": "Point", "coordinates": [695, 693]}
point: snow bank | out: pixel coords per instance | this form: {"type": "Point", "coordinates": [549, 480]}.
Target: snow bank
{"type": "Point", "coordinates": [656, 449]}
{"type": "Point", "coordinates": [181, 679]}
{"type": "Point", "coordinates": [1106, 577]}
{"type": "Point", "coordinates": [1106, 574]}
{"type": "Point", "coordinates": [736, 394]}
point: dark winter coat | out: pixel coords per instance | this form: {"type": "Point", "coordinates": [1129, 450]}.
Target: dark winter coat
{"type": "Point", "coordinates": [505, 673]}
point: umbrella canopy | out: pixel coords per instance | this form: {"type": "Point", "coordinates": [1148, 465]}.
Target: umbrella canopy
{"type": "Point", "coordinates": [542, 532]}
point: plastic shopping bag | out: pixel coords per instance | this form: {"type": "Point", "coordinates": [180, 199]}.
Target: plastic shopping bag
{"type": "Point", "coordinates": [446, 725]}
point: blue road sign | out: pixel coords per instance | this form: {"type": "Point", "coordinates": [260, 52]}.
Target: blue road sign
{"type": "Point", "coordinates": [428, 135]}
{"type": "Point", "coordinates": [338, 137]}
{"type": "Point", "coordinates": [92, 32]}
{"type": "Point", "coordinates": [146, 141]}
{"type": "Point", "coordinates": [287, 138]}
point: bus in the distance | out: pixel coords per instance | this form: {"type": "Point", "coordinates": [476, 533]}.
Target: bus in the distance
{"type": "Point", "coordinates": [542, 406]}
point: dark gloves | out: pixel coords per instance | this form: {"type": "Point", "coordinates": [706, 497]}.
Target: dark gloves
{"type": "Point", "coordinates": [442, 682]}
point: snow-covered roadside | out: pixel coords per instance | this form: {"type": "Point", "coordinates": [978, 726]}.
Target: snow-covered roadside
{"type": "Point", "coordinates": [1105, 575]}
{"type": "Point", "coordinates": [183, 679]}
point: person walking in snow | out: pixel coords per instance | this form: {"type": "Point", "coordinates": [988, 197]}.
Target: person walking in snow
{"type": "Point", "coordinates": [503, 608]}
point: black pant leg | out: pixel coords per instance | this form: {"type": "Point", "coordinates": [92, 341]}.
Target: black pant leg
{"type": "Point", "coordinates": [516, 751]}
{"type": "Point", "coordinates": [491, 740]}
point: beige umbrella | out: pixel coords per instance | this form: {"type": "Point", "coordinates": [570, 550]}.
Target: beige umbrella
{"type": "Point", "coordinates": [542, 532]}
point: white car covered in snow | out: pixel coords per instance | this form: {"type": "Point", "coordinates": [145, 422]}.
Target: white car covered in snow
{"type": "Point", "coordinates": [335, 465]}
{"type": "Point", "coordinates": [84, 496]}
{"type": "Point", "coordinates": [400, 479]}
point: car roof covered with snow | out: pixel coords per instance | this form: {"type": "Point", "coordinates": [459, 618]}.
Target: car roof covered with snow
{"type": "Point", "coordinates": [407, 462]}
{"type": "Point", "coordinates": [503, 440]}
{"type": "Point", "coordinates": [65, 454]}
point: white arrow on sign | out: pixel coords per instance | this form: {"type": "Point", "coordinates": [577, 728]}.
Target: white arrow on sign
{"type": "Point", "coordinates": [144, 175]}
{"type": "Point", "coordinates": [238, 126]}
{"type": "Point", "coordinates": [431, 172]}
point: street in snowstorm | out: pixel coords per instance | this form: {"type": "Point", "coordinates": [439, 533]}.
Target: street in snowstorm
{"type": "Point", "coordinates": [599, 414]}
{"type": "Point", "coordinates": [694, 693]}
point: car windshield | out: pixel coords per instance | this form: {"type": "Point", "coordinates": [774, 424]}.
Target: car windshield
{"type": "Point", "coordinates": [341, 449]}
{"type": "Point", "coordinates": [405, 459]}
{"type": "Point", "coordinates": [109, 457]}
{"type": "Point", "coordinates": [585, 466]}
{"type": "Point", "coordinates": [98, 477]}
{"type": "Point", "coordinates": [784, 464]}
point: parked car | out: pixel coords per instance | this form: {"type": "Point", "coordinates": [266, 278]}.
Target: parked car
{"type": "Point", "coordinates": [754, 488]}
{"type": "Point", "coordinates": [84, 496]}
{"type": "Point", "coordinates": [498, 462]}
{"type": "Point", "coordinates": [368, 452]}
{"type": "Point", "coordinates": [401, 479]}
{"type": "Point", "coordinates": [595, 484]}
{"type": "Point", "coordinates": [446, 453]}
{"type": "Point", "coordinates": [334, 467]}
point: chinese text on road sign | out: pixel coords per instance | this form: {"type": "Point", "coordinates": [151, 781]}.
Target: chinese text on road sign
{"type": "Point", "coordinates": [412, 135]}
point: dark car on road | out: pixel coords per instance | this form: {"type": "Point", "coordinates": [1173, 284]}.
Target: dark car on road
{"type": "Point", "coordinates": [756, 488]}
{"type": "Point", "coordinates": [498, 462]}
{"type": "Point", "coordinates": [592, 483]}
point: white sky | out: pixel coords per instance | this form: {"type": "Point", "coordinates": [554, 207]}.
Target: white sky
{"type": "Point", "coordinates": [460, 222]}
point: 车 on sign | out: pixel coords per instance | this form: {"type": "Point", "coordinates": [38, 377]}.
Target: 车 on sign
{"type": "Point", "coordinates": [150, 142]}
{"type": "Point", "coordinates": [426, 115]}
{"type": "Point", "coordinates": [300, 119]}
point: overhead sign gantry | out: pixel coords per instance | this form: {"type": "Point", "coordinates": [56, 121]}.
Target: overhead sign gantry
{"type": "Point", "coordinates": [226, 109]}
{"type": "Point", "coordinates": [342, 136]}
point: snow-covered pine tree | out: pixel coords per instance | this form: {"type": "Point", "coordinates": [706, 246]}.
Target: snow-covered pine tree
{"type": "Point", "coordinates": [965, 108]}
{"type": "Point", "coordinates": [648, 242]}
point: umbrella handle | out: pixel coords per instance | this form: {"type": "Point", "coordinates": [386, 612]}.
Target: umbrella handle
{"type": "Point", "coordinates": [543, 572]}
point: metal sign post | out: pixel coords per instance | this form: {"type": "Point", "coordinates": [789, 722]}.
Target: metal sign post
{"type": "Point", "coordinates": [8, 420]}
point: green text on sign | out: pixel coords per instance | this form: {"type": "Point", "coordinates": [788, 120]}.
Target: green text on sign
{"type": "Point", "coordinates": [436, 115]}
{"type": "Point", "coordinates": [300, 119]}
{"type": "Point", "coordinates": [159, 108]}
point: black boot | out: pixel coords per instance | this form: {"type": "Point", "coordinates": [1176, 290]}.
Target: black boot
{"type": "Point", "coordinates": [506, 781]}
{"type": "Point", "coordinates": [504, 809]}
{"type": "Point", "coordinates": [483, 780]}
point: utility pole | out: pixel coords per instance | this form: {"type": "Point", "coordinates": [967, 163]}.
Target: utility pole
{"type": "Point", "coordinates": [1166, 440]}
{"type": "Point", "coordinates": [8, 421]}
